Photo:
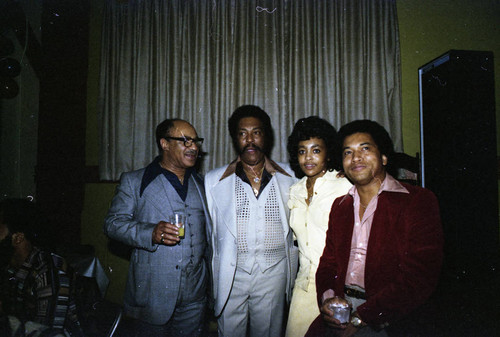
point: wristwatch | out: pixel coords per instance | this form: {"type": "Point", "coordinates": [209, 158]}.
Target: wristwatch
{"type": "Point", "coordinates": [357, 322]}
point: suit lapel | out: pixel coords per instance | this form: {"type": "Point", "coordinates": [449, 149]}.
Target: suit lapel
{"type": "Point", "coordinates": [342, 227]}
{"type": "Point", "coordinates": [156, 194]}
{"type": "Point", "coordinates": [283, 185]}
{"type": "Point", "coordinates": [201, 193]}
{"type": "Point", "coordinates": [224, 191]}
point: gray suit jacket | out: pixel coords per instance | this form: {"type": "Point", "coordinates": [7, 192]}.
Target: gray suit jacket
{"type": "Point", "coordinates": [220, 198]}
{"type": "Point", "coordinates": [154, 276]}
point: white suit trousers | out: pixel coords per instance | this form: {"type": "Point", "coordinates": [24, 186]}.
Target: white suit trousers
{"type": "Point", "coordinates": [256, 303]}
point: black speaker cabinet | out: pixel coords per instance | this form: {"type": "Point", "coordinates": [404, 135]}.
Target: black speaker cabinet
{"type": "Point", "coordinates": [459, 155]}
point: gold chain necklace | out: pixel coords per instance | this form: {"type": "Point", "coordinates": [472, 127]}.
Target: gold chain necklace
{"type": "Point", "coordinates": [258, 177]}
{"type": "Point", "coordinates": [310, 191]}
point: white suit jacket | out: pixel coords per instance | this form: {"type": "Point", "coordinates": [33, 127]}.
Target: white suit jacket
{"type": "Point", "coordinates": [221, 196]}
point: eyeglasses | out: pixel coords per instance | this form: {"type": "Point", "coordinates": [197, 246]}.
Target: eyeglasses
{"type": "Point", "coordinates": [188, 141]}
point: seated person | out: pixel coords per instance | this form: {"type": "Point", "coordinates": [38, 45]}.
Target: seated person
{"type": "Point", "coordinates": [384, 244]}
{"type": "Point", "coordinates": [34, 285]}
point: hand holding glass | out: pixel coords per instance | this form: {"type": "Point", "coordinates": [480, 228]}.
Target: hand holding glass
{"type": "Point", "coordinates": [341, 308]}
{"type": "Point", "coordinates": [178, 219]}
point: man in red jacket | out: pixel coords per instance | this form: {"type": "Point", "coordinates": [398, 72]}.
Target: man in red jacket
{"type": "Point", "coordinates": [384, 245]}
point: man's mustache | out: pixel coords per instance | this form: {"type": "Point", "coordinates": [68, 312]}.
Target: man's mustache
{"type": "Point", "coordinates": [251, 146]}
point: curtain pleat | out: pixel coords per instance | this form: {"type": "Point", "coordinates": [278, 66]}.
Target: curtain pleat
{"type": "Point", "coordinates": [199, 60]}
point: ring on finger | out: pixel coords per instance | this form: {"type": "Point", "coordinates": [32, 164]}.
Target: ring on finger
{"type": "Point", "coordinates": [162, 240]}
{"type": "Point", "coordinates": [162, 235]}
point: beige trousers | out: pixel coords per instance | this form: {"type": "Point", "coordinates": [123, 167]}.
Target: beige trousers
{"type": "Point", "coordinates": [303, 311]}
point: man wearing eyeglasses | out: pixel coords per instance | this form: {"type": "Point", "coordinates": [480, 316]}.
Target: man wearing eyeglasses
{"type": "Point", "coordinates": [166, 289]}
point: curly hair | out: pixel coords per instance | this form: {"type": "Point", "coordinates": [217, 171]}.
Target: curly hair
{"type": "Point", "coordinates": [376, 131]}
{"type": "Point", "coordinates": [305, 129]}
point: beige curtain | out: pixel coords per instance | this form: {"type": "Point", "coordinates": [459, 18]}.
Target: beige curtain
{"type": "Point", "coordinates": [200, 59]}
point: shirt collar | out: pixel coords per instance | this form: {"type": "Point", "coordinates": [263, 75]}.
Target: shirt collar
{"type": "Point", "coordinates": [388, 185]}
{"type": "Point", "coordinates": [270, 166]}
{"type": "Point", "coordinates": [153, 170]}
{"type": "Point", "coordinates": [328, 176]}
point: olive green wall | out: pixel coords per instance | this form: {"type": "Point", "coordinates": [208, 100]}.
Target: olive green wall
{"type": "Point", "coordinates": [98, 195]}
{"type": "Point", "coordinates": [428, 28]}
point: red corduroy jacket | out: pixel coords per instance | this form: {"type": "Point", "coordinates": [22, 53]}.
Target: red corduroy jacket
{"type": "Point", "coordinates": [403, 259]}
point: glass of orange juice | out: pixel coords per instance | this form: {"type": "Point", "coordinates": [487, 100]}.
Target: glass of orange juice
{"type": "Point", "coordinates": [179, 219]}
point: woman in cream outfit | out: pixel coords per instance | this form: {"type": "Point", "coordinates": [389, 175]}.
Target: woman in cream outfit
{"type": "Point", "coordinates": [311, 152]}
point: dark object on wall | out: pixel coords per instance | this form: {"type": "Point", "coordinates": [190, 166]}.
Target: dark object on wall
{"type": "Point", "coordinates": [13, 17]}
{"type": "Point", "coordinates": [408, 167]}
{"type": "Point", "coordinates": [458, 150]}
{"type": "Point", "coordinates": [9, 67]}
{"type": "Point", "coordinates": [8, 88]}
{"type": "Point", "coordinates": [6, 46]}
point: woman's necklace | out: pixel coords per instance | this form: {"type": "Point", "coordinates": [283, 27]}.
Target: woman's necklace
{"type": "Point", "coordinates": [310, 186]}
{"type": "Point", "coordinates": [310, 191]}
{"type": "Point", "coordinates": [309, 197]}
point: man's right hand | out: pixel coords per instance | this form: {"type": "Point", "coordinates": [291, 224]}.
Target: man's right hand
{"type": "Point", "coordinates": [166, 233]}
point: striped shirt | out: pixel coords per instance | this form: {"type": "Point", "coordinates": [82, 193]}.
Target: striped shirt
{"type": "Point", "coordinates": [39, 291]}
